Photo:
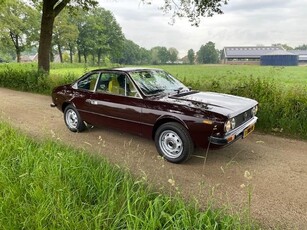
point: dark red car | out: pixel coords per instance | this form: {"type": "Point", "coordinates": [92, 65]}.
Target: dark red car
{"type": "Point", "coordinates": [151, 103]}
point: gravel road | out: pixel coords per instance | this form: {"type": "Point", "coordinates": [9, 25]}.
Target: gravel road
{"type": "Point", "coordinates": [277, 166]}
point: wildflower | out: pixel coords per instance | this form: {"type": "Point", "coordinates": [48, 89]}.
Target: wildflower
{"type": "Point", "coordinates": [171, 181]}
{"type": "Point", "coordinates": [248, 175]}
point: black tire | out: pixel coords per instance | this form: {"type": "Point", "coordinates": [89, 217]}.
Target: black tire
{"type": "Point", "coordinates": [73, 120]}
{"type": "Point", "coordinates": [173, 142]}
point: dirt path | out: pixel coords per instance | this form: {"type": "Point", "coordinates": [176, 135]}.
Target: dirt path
{"type": "Point", "coordinates": [278, 166]}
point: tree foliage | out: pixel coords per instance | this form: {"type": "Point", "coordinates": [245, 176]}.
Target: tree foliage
{"type": "Point", "coordinates": [191, 56]}
{"type": "Point", "coordinates": [99, 35]}
{"type": "Point", "coordinates": [65, 30]}
{"type": "Point", "coordinates": [134, 54]}
{"type": "Point", "coordinates": [65, 34]}
{"type": "Point", "coordinates": [301, 47]}
{"type": "Point", "coordinates": [50, 10]}
{"type": "Point", "coordinates": [192, 9]}
{"type": "Point", "coordinates": [173, 54]}
{"type": "Point", "coordinates": [19, 25]}
{"type": "Point", "coordinates": [208, 54]}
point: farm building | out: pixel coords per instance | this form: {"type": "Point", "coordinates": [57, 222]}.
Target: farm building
{"type": "Point", "coordinates": [246, 55]}
{"type": "Point", "coordinates": [279, 58]}
{"type": "Point", "coordinates": [302, 56]}
{"type": "Point", "coordinates": [252, 54]}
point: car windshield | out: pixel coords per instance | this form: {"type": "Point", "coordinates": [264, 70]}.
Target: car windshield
{"type": "Point", "coordinates": [153, 82]}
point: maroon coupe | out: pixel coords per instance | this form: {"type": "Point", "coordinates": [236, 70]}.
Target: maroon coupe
{"type": "Point", "coordinates": [152, 103]}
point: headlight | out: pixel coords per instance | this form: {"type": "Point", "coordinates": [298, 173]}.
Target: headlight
{"type": "Point", "coordinates": [254, 110]}
{"type": "Point", "coordinates": [227, 126]}
{"type": "Point", "coordinates": [233, 123]}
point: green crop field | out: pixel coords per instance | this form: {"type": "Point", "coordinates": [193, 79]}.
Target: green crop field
{"type": "Point", "coordinates": [288, 76]}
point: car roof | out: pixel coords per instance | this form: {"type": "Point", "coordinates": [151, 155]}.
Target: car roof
{"type": "Point", "coordinates": [126, 69]}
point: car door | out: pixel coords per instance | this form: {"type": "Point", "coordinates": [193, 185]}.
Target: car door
{"type": "Point", "coordinates": [116, 103]}
{"type": "Point", "coordinates": [83, 91]}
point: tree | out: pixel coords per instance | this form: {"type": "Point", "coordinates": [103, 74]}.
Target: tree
{"type": "Point", "coordinates": [191, 56]}
{"type": "Point", "coordinates": [208, 54]}
{"type": "Point", "coordinates": [193, 9]}
{"type": "Point", "coordinates": [50, 10]}
{"type": "Point", "coordinates": [65, 34]}
{"type": "Point", "coordinates": [284, 46]}
{"type": "Point", "coordinates": [301, 47]}
{"type": "Point", "coordinates": [173, 54]}
{"type": "Point", "coordinates": [99, 35]}
{"type": "Point", "coordinates": [18, 25]}
{"type": "Point", "coordinates": [163, 55]}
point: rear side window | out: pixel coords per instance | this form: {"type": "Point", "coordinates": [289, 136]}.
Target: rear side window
{"type": "Point", "coordinates": [89, 82]}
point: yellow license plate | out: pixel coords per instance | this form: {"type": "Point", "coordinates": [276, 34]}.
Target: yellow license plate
{"type": "Point", "coordinates": [248, 130]}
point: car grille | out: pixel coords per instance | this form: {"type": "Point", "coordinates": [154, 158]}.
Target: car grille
{"type": "Point", "coordinates": [243, 117]}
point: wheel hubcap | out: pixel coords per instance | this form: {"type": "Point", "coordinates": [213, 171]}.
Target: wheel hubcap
{"type": "Point", "coordinates": [171, 144]}
{"type": "Point", "coordinates": [72, 119]}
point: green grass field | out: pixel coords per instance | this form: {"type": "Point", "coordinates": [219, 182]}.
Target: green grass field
{"type": "Point", "coordinates": [45, 185]}
{"type": "Point", "coordinates": [289, 77]}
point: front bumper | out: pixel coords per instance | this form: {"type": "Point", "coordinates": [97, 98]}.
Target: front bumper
{"type": "Point", "coordinates": [238, 133]}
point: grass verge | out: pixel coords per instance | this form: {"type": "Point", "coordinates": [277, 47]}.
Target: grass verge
{"type": "Point", "coordinates": [48, 185]}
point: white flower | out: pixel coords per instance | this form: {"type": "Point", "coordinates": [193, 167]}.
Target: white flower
{"type": "Point", "coordinates": [248, 175]}
{"type": "Point", "coordinates": [171, 181]}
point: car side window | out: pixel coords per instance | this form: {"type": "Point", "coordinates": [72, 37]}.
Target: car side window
{"type": "Point", "coordinates": [103, 83]}
{"type": "Point", "coordinates": [119, 84]}
{"type": "Point", "coordinates": [89, 82]}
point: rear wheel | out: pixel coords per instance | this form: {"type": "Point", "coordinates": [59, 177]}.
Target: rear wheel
{"type": "Point", "coordinates": [173, 142]}
{"type": "Point", "coordinates": [73, 120]}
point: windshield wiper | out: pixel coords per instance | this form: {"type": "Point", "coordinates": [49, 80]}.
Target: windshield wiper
{"type": "Point", "coordinates": [155, 91]}
{"type": "Point", "coordinates": [180, 89]}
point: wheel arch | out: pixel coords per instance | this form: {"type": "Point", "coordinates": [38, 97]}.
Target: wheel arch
{"type": "Point", "coordinates": [65, 104]}
{"type": "Point", "coordinates": [164, 120]}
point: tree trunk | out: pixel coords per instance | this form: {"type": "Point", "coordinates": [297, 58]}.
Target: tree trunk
{"type": "Point", "coordinates": [60, 53]}
{"type": "Point", "coordinates": [70, 53]}
{"type": "Point", "coordinates": [14, 38]}
{"type": "Point", "coordinates": [85, 57]}
{"type": "Point", "coordinates": [79, 56]}
{"type": "Point", "coordinates": [45, 39]}
{"type": "Point", "coordinates": [99, 57]}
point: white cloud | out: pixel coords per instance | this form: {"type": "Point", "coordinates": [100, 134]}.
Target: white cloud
{"type": "Point", "coordinates": [243, 23]}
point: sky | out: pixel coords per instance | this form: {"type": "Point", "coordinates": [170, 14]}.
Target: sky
{"type": "Point", "coordinates": [244, 23]}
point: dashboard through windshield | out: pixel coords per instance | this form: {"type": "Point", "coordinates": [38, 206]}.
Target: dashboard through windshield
{"type": "Point", "coordinates": [153, 82]}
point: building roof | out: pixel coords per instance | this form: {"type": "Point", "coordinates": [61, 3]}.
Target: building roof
{"type": "Point", "coordinates": [248, 51]}
{"type": "Point", "coordinates": [302, 54]}
{"type": "Point", "coordinates": [280, 53]}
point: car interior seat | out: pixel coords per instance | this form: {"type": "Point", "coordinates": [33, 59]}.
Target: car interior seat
{"type": "Point", "coordinates": [114, 85]}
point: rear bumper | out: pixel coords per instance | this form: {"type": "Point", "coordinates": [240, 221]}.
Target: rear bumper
{"type": "Point", "coordinates": [238, 133]}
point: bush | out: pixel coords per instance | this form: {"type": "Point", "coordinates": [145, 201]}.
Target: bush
{"type": "Point", "coordinates": [282, 111]}
{"type": "Point", "coordinates": [30, 80]}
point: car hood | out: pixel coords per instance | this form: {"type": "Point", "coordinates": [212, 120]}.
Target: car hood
{"type": "Point", "coordinates": [224, 104]}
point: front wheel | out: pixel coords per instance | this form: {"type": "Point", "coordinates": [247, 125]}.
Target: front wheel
{"type": "Point", "coordinates": [73, 120]}
{"type": "Point", "coordinates": [173, 142]}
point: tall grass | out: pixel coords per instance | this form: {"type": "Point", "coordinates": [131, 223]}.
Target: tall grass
{"type": "Point", "coordinates": [280, 110]}
{"type": "Point", "coordinates": [50, 186]}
